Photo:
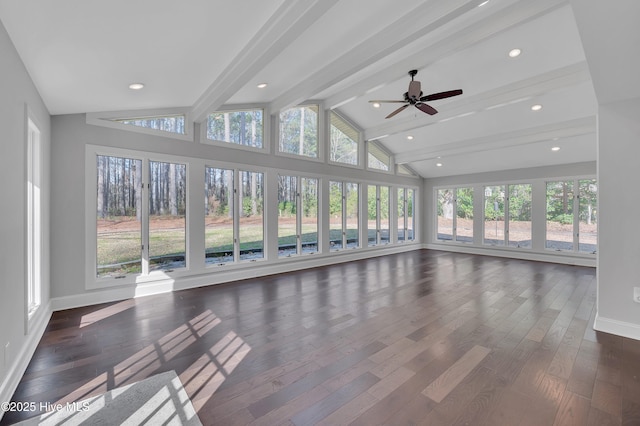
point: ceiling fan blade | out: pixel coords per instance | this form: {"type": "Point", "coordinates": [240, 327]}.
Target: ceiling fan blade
{"type": "Point", "coordinates": [441, 95]}
{"type": "Point", "coordinates": [397, 111]}
{"type": "Point", "coordinates": [387, 102]}
{"type": "Point", "coordinates": [414, 91]}
{"type": "Point", "coordinates": [426, 108]}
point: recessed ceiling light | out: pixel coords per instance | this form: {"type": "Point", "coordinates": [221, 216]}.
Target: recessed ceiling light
{"type": "Point", "coordinates": [555, 148]}
{"type": "Point", "coordinates": [136, 86]}
{"type": "Point", "coordinates": [410, 137]}
{"type": "Point", "coordinates": [438, 164]}
{"type": "Point", "coordinates": [375, 105]}
{"type": "Point", "coordinates": [536, 107]}
{"type": "Point", "coordinates": [514, 53]}
{"type": "Point", "coordinates": [262, 85]}
{"type": "Point", "coordinates": [483, 3]}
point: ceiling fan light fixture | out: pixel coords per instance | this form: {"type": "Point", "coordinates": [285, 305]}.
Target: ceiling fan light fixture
{"type": "Point", "coordinates": [136, 86]}
{"type": "Point", "coordinates": [536, 107]}
{"type": "Point", "coordinates": [514, 53]}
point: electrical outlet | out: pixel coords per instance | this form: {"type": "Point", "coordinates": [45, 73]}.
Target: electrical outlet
{"type": "Point", "coordinates": [636, 294]}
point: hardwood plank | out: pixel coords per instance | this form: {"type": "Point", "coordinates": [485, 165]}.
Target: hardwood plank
{"type": "Point", "coordinates": [574, 410]}
{"type": "Point", "coordinates": [451, 378]}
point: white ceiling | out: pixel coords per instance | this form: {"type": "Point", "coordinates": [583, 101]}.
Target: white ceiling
{"type": "Point", "coordinates": [204, 55]}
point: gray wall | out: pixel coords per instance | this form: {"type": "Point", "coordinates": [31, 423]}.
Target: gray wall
{"type": "Point", "coordinates": [17, 93]}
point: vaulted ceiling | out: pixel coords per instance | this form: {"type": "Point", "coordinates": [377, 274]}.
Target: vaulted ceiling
{"type": "Point", "coordinates": [206, 55]}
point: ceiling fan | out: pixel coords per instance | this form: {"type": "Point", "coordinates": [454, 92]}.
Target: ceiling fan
{"type": "Point", "coordinates": [413, 96]}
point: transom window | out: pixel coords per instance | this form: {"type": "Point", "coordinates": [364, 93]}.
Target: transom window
{"type": "Point", "coordinates": [237, 127]}
{"type": "Point", "coordinates": [377, 157]}
{"type": "Point", "coordinates": [299, 131]}
{"type": "Point", "coordinates": [343, 146]}
{"type": "Point", "coordinates": [168, 123]}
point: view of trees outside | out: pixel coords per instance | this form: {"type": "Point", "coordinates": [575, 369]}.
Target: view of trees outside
{"type": "Point", "coordinates": [172, 124]}
{"type": "Point", "coordinates": [445, 214]}
{"type": "Point", "coordinates": [377, 158]}
{"type": "Point", "coordinates": [299, 131]}
{"type": "Point", "coordinates": [309, 215]}
{"type": "Point", "coordinates": [287, 215]}
{"type": "Point", "coordinates": [587, 215]}
{"type": "Point", "coordinates": [251, 221]}
{"type": "Point", "coordinates": [410, 200]}
{"type": "Point", "coordinates": [519, 225]}
{"type": "Point", "coordinates": [343, 215]}
{"type": "Point", "coordinates": [378, 215]}
{"type": "Point", "coordinates": [167, 215]}
{"type": "Point", "coordinates": [464, 215]}
{"type": "Point", "coordinates": [118, 210]}
{"type": "Point", "coordinates": [560, 215]}
{"type": "Point", "coordinates": [343, 146]}
{"type": "Point", "coordinates": [494, 225]}
{"type": "Point", "coordinates": [402, 215]}
{"type": "Point", "coordinates": [218, 215]}
{"type": "Point", "coordinates": [237, 127]}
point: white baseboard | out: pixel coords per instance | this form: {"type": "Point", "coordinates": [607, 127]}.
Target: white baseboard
{"type": "Point", "coordinates": [19, 365]}
{"type": "Point", "coordinates": [220, 276]}
{"type": "Point", "coordinates": [619, 328]}
{"type": "Point", "coordinates": [522, 254]}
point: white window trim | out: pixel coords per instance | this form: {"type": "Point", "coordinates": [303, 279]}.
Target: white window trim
{"type": "Point", "coordinates": [105, 119]}
{"type": "Point", "coordinates": [321, 134]}
{"type": "Point", "coordinates": [266, 128]}
{"type": "Point", "coordinates": [359, 143]}
{"type": "Point", "coordinates": [34, 207]}
{"type": "Point", "coordinates": [382, 148]}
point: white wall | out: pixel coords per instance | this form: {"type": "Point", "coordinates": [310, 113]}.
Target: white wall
{"type": "Point", "coordinates": [17, 94]}
{"type": "Point", "coordinates": [537, 177]}
{"type": "Point", "coordinates": [71, 134]}
{"type": "Point", "coordinates": [618, 265]}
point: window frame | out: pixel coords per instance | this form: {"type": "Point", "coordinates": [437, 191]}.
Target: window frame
{"type": "Point", "coordinates": [359, 140]}
{"type": "Point", "coordinates": [266, 128]}
{"type": "Point", "coordinates": [320, 149]}
{"type": "Point", "coordinates": [35, 218]}
{"type": "Point", "coordinates": [106, 119]}
{"type": "Point", "coordinates": [391, 166]}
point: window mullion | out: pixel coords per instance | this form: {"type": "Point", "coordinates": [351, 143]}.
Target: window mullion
{"type": "Point", "coordinates": [144, 216]}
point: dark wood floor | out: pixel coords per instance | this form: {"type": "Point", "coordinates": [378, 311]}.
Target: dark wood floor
{"type": "Point", "coordinates": [424, 337]}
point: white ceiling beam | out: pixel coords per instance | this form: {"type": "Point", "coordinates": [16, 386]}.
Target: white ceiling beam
{"type": "Point", "coordinates": [501, 96]}
{"type": "Point", "coordinates": [545, 133]}
{"type": "Point", "coordinates": [287, 23]}
{"type": "Point", "coordinates": [448, 42]}
{"type": "Point", "coordinates": [387, 40]}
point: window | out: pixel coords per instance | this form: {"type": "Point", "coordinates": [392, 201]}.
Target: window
{"type": "Point", "coordinates": [34, 218]}
{"type": "Point", "coordinates": [169, 123]}
{"type": "Point", "coordinates": [463, 228]}
{"type": "Point", "coordinates": [560, 215]}
{"type": "Point", "coordinates": [251, 220]}
{"type": "Point", "coordinates": [299, 131]}
{"type": "Point", "coordinates": [167, 215]}
{"type": "Point", "coordinates": [297, 215]}
{"type": "Point", "coordinates": [404, 170]}
{"type": "Point", "coordinates": [572, 215]}
{"type": "Point", "coordinates": [494, 217]}
{"type": "Point", "coordinates": [119, 216]}
{"type": "Point", "coordinates": [445, 214]}
{"type": "Point", "coordinates": [219, 213]}
{"type": "Point", "coordinates": [237, 127]}
{"type": "Point", "coordinates": [519, 224]}
{"type": "Point", "coordinates": [458, 226]}
{"type": "Point", "coordinates": [406, 214]}
{"type": "Point", "coordinates": [343, 215]}
{"type": "Point", "coordinates": [587, 216]}
{"type": "Point", "coordinates": [377, 157]}
{"type": "Point", "coordinates": [378, 215]}
{"type": "Point", "coordinates": [343, 147]}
